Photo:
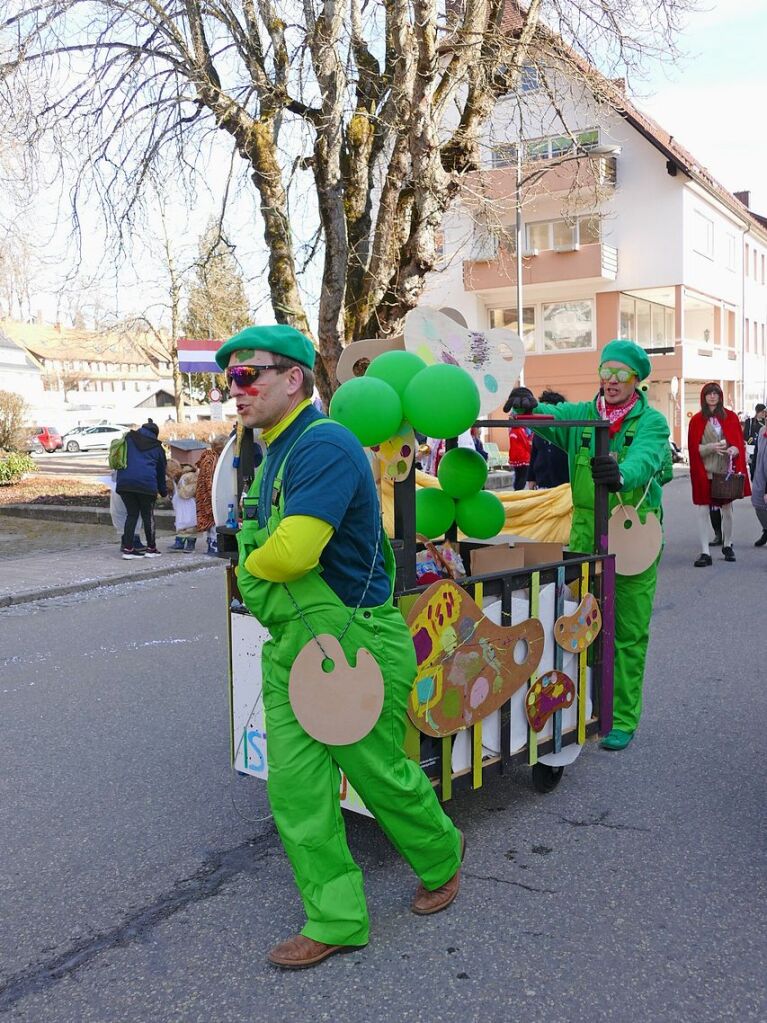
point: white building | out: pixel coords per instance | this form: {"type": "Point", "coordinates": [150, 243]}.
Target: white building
{"type": "Point", "coordinates": [624, 235]}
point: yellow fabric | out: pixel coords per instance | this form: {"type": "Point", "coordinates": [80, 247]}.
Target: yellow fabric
{"type": "Point", "coordinates": [293, 549]}
{"type": "Point", "coordinates": [539, 514]}
{"type": "Point", "coordinates": [273, 433]}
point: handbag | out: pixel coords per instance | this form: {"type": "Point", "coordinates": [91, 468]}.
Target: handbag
{"type": "Point", "coordinates": [729, 486]}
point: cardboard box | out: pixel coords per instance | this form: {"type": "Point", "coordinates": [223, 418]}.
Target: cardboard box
{"type": "Point", "coordinates": [538, 552]}
{"type": "Point", "coordinates": [498, 557]}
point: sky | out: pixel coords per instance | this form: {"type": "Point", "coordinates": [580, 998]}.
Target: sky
{"type": "Point", "coordinates": [713, 101]}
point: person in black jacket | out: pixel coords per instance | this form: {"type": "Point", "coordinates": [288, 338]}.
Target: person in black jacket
{"type": "Point", "coordinates": [751, 428]}
{"type": "Point", "coordinates": [548, 463]}
{"type": "Point", "coordinates": [138, 485]}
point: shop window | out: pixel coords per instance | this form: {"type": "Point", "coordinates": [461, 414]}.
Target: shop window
{"type": "Point", "coordinates": [508, 318]}
{"type": "Point", "coordinates": [567, 325]}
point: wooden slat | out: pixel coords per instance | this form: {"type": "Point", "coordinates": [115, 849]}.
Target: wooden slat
{"type": "Point", "coordinates": [447, 768]}
{"type": "Point", "coordinates": [476, 755]}
{"type": "Point", "coordinates": [506, 708]}
{"type": "Point", "coordinates": [559, 655]}
{"type": "Point", "coordinates": [582, 665]}
{"type": "Point", "coordinates": [535, 597]}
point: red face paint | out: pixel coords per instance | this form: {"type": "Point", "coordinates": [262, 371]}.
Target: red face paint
{"type": "Point", "coordinates": [253, 391]}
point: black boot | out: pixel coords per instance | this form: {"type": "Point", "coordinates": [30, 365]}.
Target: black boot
{"type": "Point", "coordinates": [762, 539]}
{"type": "Point", "coordinates": [716, 524]}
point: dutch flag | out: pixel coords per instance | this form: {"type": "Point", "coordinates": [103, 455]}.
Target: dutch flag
{"type": "Point", "coordinates": [198, 356]}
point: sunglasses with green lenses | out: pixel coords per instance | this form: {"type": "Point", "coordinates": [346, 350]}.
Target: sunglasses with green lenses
{"type": "Point", "coordinates": [621, 375]}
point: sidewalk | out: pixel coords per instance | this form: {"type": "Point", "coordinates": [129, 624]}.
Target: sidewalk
{"type": "Point", "coordinates": [50, 558]}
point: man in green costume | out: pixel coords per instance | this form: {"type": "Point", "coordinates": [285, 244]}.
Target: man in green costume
{"type": "Point", "coordinates": [634, 471]}
{"type": "Point", "coordinates": [313, 559]}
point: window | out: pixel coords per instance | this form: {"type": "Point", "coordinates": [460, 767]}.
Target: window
{"type": "Point", "coordinates": [563, 234]}
{"type": "Point", "coordinates": [650, 324]}
{"type": "Point", "coordinates": [732, 252]}
{"type": "Point", "coordinates": [754, 264]}
{"type": "Point", "coordinates": [567, 325]}
{"type": "Point", "coordinates": [703, 235]}
{"type": "Point", "coordinates": [551, 147]}
{"type": "Point", "coordinates": [508, 318]}
{"type": "Point", "coordinates": [746, 260]}
{"type": "Point", "coordinates": [748, 334]}
{"type": "Point", "coordinates": [529, 79]}
{"type": "Point", "coordinates": [762, 269]}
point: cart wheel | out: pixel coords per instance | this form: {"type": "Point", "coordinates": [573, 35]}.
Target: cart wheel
{"type": "Point", "coordinates": [545, 778]}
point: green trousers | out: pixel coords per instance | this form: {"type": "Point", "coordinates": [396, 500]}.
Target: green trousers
{"type": "Point", "coordinates": [304, 781]}
{"type": "Point", "coordinates": [634, 596]}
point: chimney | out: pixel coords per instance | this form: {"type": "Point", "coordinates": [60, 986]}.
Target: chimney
{"type": "Point", "coordinates": [744, 197]}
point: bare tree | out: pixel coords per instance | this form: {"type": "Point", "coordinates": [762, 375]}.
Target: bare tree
{"type": "Point", "coordinates": [383, 104]}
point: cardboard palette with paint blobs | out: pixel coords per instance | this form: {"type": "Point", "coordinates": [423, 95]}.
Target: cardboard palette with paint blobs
{"type": "Point", "coordinates": [493, 358]}
{"type": "Point", "coordinates": [467, 665]}
{"type": "Point", "coordinates": [552, 692]}
{"type": "Point", "coordinates": [578, 631]}
{"type": "Point", "coordinates": [397, 453]}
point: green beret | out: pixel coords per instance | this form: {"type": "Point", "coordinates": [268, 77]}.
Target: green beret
{"type": "Point", "coordinates": [629, 353]}
{"type": "Point", "coordinates": [277, 338]}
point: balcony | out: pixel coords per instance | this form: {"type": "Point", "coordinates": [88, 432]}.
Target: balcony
{"type": "Point", "coordinates": [586, 262]}
{"type": "Point", "coordinates": [573, 175]}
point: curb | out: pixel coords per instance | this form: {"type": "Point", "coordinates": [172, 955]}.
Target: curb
{"type": "Point", "coordinates": [85, 514]}
{"type": "Point", "coordinates": [14, 599]}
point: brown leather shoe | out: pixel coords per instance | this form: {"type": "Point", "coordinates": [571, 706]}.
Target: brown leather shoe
{"type": "Point", "coordinates": [299, 952]}
{"type": "Point", "coordinates": [425, 902]}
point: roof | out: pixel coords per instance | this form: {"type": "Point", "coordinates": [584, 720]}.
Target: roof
{"type": "Point", "coordinates": [9, 345]}
{"type": "Point", "coordinates": [70, 343]}
{"type": "Point", "coordinates": [614, 94]}
{"type": "Point", "coordinates": [187, 444]}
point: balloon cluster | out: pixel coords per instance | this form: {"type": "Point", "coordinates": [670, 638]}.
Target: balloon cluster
{"type": "Point", "coordinates": [478, 513]}
{"type": "Point", "coordinates": [440, 401]}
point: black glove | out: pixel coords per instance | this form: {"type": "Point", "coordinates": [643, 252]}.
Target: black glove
{"type": "Point", "coordinates": [521, 399]}
{"type": "Point", "coordinates": [604, 469]}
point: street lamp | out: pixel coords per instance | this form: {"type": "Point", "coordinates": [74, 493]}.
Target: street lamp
{"type": "Point", "coordinates": [580, 153]}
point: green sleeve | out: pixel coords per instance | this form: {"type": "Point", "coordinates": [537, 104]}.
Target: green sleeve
{"type": "Point", "coordinates": [648, 451]}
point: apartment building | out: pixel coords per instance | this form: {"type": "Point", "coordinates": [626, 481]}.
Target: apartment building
{"type": "Point", "coordinates": [623, 234]}
{"type": "Point", "coordinates": [86, 376]}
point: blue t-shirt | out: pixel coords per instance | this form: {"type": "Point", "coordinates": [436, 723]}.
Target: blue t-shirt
{"type": "Point", "coordinates": [328, 477]}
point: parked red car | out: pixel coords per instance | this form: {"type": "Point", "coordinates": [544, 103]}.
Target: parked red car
{"type": "Point", "coordinates": [48, 437]}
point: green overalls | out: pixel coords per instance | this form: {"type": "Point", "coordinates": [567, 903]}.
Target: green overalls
{"type": "Point", "coordinates": [304, 777]}
{"type": "Point", "coordinates": [641, 446]}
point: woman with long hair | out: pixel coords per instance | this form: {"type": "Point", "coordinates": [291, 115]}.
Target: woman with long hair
{"type": "Point", "coordinates": [715, 445]}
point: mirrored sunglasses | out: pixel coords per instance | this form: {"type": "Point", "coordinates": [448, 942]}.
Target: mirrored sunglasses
{"type": "Point", "coordinates": [245, 376]}
{"type": "Point", "coordinates": [621, 375]}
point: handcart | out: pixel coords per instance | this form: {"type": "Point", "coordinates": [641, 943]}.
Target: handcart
{"type": "Point", "coordinates": [563, 703]}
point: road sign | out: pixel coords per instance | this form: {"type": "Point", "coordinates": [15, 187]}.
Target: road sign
{"type": "Point", "coordinates": [214, 394]}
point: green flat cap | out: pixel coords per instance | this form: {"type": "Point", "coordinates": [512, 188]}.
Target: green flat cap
{"type": "Point", "coordinates": [629, 353]}
{"type": "Point", "coordinates": [277, 338]}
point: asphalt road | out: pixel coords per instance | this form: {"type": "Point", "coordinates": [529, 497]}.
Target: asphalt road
{"type": "Point", "coordinates": [64, 463]}
{"type": "Point", "coordinates": [141, 881]}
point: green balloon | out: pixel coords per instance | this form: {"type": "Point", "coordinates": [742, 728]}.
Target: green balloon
{"type": "Point", "coordinates": [396, 368]}
{"type": "Point", "coordinates": [462, 472]}
{"type": "Point", "coordinates": [441, 401]}
{"type": "Point", "coordinates": [482, 515]}
{"type": "Point", "coordinates": [370, 408]}
{"type": "Point", "coordinates": [434, 512]}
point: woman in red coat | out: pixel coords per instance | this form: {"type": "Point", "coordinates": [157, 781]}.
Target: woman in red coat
{"type": "Point", "coordinates": [520, 449]}
{"type": "Point", "coordinates": [715, 444]}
